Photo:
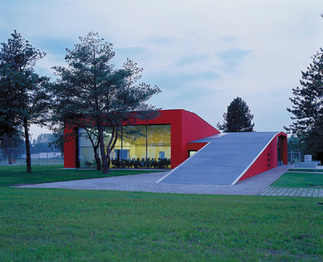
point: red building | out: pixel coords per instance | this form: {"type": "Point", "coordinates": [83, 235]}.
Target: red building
{"type": "Point", "coordinates": [175, 135]}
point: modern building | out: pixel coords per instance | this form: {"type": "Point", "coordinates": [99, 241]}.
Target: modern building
{"type": "Point", "coordinates": [194, 150]}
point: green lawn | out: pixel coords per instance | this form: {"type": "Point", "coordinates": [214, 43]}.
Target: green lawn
{"type": "Point", "coordinates": [13, 175]}
{"type": "Point", "coordinates": [80, 225]}
{"type": "Point", "coordinates": [305, 179]}
{"type": "Point", "coordinates": [68, 225]}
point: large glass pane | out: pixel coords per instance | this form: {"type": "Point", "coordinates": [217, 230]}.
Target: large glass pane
{"type": "Point", "coordinates": [137, 147]}
{"type": "Point", "coordinates": [134, 140]}
{"type": "Point", "coordinates": [86, 153]}
{"type": "Point", "coordinates": [85, 147]}
{"type": "Point", "coordinates": [159, 145]}
{"type": "Point", "coordinates": [116, 155]}
{"type": "Point", "coordinates": [130, 150]}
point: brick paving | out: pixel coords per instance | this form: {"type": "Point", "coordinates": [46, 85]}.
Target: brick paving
{"type": "Point", "coordinates": [257, 185]}
{"type": "Point", "coordinates": [292, 192]}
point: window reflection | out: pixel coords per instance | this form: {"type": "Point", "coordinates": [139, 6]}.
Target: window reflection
{"type": "Point", "coordinates": [141, 146]}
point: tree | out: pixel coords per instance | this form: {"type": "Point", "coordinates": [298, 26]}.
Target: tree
{"type": "Point", "coordinates": [295, 145]}
{"type": "Point", "coordinates": [24, 101]}
{"type": "Point", "coordinates": [237, 118]}
{"type": "Point", "coordinates": [307, 108]}
{"type": "Point", "coordinates": [45, 142]}
{"type": "Point", "coordinates": [90, 93]}
{"type": "Point", "coordinates": [58, 142]}
{"type": "Point", "coordinates": [10, 145]}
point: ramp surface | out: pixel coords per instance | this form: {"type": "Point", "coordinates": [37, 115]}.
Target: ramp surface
{"type": "Point", "coordinates": [225, 158]}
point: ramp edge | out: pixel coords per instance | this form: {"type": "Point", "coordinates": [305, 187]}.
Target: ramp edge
{"type": "Point", "coordinates": [244, 171]}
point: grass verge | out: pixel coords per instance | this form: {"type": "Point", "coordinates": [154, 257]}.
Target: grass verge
{"type": "Point", "coordinates": [76, 225]}
{"type": "Point", "coordinates": [14, 175]}
{"type": "Point", "coordinates": [299, 180]}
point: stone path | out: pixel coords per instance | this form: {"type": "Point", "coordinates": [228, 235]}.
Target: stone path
{"type": "Point", "coordinates": [257, 185]}
{"type": "Point", "coordinates": [292, 192]}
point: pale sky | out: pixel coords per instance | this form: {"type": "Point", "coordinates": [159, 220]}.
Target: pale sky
{"type": "Point", "coordinates": [201, 53]}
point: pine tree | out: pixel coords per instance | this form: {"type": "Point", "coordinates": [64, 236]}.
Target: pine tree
{"type": "Point", "coordinates": [23, 100]}
{"type": "Point", "coordinates": [307, 108]}
{"type": "Point", "coordinates": [90, 93]}
{"type": "Point", "coordinates": [307, 102]}
{"type": "Point", "coordinates": [238, 117]}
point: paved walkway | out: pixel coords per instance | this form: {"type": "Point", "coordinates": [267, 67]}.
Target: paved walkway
{"type": "Point", "coordinates": [257, 185]}
{"type": "Point", "coordinates": [292, 192]}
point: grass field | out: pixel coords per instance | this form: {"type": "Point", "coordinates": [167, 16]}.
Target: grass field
{"type": "Point", "coordinates": [77, 225]}
{"type": "Point", "coordinates": [300, 180]}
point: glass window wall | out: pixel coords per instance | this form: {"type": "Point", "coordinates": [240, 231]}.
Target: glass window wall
{"type": "Point", "coordinates": [141, 146]}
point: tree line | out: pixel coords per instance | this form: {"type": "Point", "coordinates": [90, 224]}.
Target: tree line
{"type": "Point", "coordinates": [89, 93]}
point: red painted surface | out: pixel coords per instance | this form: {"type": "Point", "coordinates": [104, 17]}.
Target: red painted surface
{"type": "Point", "coordinates": [268, 158]}
{"type": "Point", "coordinates": [195, 146]}
{"type": "Point", "coordinates": [193, 128]}
{"type": "Point", "coordinates": [70, 151]}
{"type": "Point", "coordinates": [185, 127]}
{"type": "Point", "coordinates": [282, 145]}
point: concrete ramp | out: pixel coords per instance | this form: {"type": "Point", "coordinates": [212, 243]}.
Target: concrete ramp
{"type": "Point", "coordinates": [222, 161]}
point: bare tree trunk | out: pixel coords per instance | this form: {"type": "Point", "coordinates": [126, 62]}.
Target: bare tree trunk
{"type": "Point", "coordinates": [108, 160]}
{"type": "Point", "coordinates": [105, 164]}
{"type": "Point", "coordinates": [112, 142]}
{"type": "Point", "coordinates": [97, 159]}
{"type": "Point", "coordinates": [95, 146]}
{"type": "Point", "coordinates": [27, 142]}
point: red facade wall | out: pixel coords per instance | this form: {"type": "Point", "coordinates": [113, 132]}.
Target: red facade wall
{"type": "Point", "coordinates": [268, 158]}
{"type": "Point", "coordinates": [194, 128]}
{"type": "Point", "coordinates": [185, 127]}
{"type": "Point", "coordinates": [70, 152]}
{"type": "Point", "coordinates": [195, 146]}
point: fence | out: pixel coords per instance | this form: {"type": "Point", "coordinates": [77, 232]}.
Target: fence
{"type": "Point", "coordinates": [17, 156]}
{"type": "Point", "coordinates": [294, 157]}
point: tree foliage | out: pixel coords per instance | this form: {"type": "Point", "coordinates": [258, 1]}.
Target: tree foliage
{"type": "Point", "coordinates": [307, 108]}
{"type": "Point", "coordinates": [91, 93]}
{"type": "Point", "coordinates": [238, 117]}
{"type": "Point", "coordinates": [8, 144]}
{"type": "Point", "coordinates": [45, 143]}
{"type": "Point", "coordinates": [23, 100]}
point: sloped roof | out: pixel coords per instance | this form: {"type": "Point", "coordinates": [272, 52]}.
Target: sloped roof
{"type": "Point", "coordinates": [224, 159]}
